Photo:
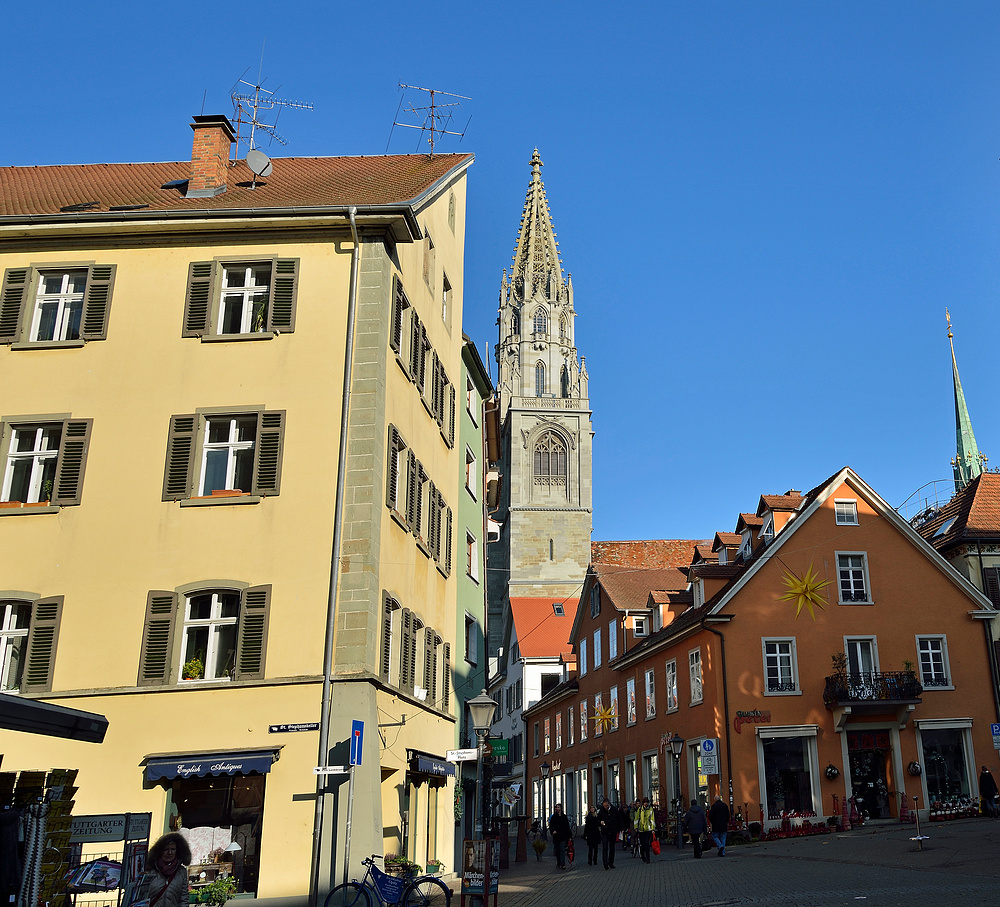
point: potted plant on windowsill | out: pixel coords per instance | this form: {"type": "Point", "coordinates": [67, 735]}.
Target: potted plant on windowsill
{"type": "Point", "coordinates": [194, 668]}
{"type": "Point", "coordinates": [226, 492]}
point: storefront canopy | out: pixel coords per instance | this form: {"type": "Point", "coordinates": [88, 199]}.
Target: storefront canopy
{"type": "Point", "coordinates": [34, 717]}
{"type": "Point", "coordinates": [212, 762]}
{"type": "Point", "coordinates": [429, 764]}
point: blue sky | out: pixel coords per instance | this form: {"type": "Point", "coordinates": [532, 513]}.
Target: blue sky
{"type": "Point", "coordinates": [766, 207]}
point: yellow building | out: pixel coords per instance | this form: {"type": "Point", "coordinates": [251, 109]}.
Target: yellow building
{"type": "Point", "coordinates": [173, 372]}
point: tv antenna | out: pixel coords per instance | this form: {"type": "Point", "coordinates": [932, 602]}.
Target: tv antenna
{"type": "Point", "coordinates": [250, 105]}
{"type": "Point", "coordinates": [434, 118]}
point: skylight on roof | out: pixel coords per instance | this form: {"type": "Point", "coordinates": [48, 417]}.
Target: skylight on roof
{"type": "Point", "coordinates": [558, 609]}
{"type": "Point", "coordinates": [943, 528]}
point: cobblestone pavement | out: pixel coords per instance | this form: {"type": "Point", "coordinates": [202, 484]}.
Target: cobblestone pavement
{"type": "Point", "coordinates": [876, 865]}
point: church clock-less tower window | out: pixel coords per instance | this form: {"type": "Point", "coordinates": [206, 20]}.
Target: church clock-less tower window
{"type": "Point", "coordinates": [546, 430]}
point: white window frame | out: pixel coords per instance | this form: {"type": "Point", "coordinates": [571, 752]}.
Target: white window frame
{"type": "Point", "coordinates": [807, 732]}
{"type": "Point", "coordinates": [68, 303]}
{"type": "Point", "coordinates": [583, 657]}
{"type": "Point", "coordinates": [13, 642]}
{"type": "Point", "coordinates": [446, 297]}
{"type": "Point", "coordinates": [233, 447]}
{"type": "Point", "coordinates": [640, 621]}
{"type": "Point", "coordinates": [471, 639]}
{"type": "Point", "coordinates": [43, 458]}
{"type": "Point", "coordinates": [793, 664]}
{"type": "Point", "coordinates": [472, 556]}
{"type": "Point", "coordinates": [597, 648]}
{"type": "Point", "coordinates": [583, 720]}
{"type": "Point", "coordinates": [863, 637]}
{"type": "Point", "coordinates": [767, 529]}
{"type": "Point", "coordinates": [571, 725]}
{"type": "Point", "coordinates": [471, 477]}
{"type": "Point", "coordinates": [613, 705]}
{"type": "Point", "coordinates": [941, 638]}
{"type": "Point", "coordinates": [631, 706]}
{"type": "Point", "coordinates": [869, 599]}
{"type": "Point", "coordinates": [613, 639]}
{"type": "Point", "coordinates": [215, 624]}
{"type": "Point", "coordinates": [845, 511]}
{"type": "Point", "coordinates": [650, 693]}
{"type": "Point", "coordinates": [672, 693]}
{"type": "Point", "coordinates": [696, 677]}
{"type": "Point", "coordinates": [253, 320]}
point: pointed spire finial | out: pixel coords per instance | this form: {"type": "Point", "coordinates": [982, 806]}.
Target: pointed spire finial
{"type": "Point", "coordinates": [968, 461]}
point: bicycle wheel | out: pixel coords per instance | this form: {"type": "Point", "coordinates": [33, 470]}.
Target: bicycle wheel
{"type": "Point", "coordinates": [426, 891]}
{"type": "Point", "coordinates": [350, 894]}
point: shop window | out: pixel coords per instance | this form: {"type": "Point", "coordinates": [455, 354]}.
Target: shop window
{"type": "Point", "coordinates": [787, 764]}
{"type": "Point", "coordinates": [945, 763]}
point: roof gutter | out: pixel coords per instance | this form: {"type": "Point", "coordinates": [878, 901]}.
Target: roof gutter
{"type": "Point", "coordinates": [326, 706]}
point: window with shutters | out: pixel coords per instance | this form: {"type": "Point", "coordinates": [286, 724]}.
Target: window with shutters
{"type": "Point", "coordinates": [205, 634]}
{"type": "Point", "coordinates": [61, 306]}
{"type": "Point", "coordinates": [29, 631]}
{"type": "Point", "coordinates": [446, 677]}
{"type": "Point", "coordinates": [219, 457]}
{"type": "Point", "coordinates": [991, 584]}
{"type": "Point", "coordinates": [401, 328]}
{"type": "Point", "coordinates": [44, 461]}
{"type": "Point", "coordinates": [432, 647]}
{"type": "Point", "coordinates": [408, 649]}
{"type": "Point", "coordinates": [15, 620]}
{"type": "Point", "coordinates": [429, 260]}
{"type": "Point", "coordinates": [230, 300]}
{"type": "Point", "coordinates": [390, 636]}
{"type": "Point", "coordinates": [445, 299]}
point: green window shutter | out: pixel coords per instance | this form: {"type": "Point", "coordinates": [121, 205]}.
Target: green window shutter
{"type": "Point", "coordinates": [431, 507]}
{"type": "Point", "coordinates": [198, 300]}
{"type": "Point", "coordinates": [418, 504]}
{"type": "Point", "coordinates": [406, 651]}
{"type": "Point", "coordinates": [435, 384]}
{"type": "Point", "coordinates": [43, 634]}
{"type": "Point", "coordinates": [252, 643]}
{"type": "Point", "coordinates": [180, 457]}
{"type": "Point", "coordinates": [422, 361]}
{"type": "Point", "coordinates": [67, 488]}
{"type": "Point", "coordinates": [428, 683]}
{"type": "Point", "coordinates": [284, 293]}
{"type": "Point", "coordinates": [158, 638]}
{"type": "Point", "coordinates": [991, 582]}
{"type": "Point", "coordinates": [446, 679]}
{"type": "Point", "coordinates": [398, 307]}
{"type": "Point", "coordinates": [267, 454]}
{"type": "Point", "coordinates": [12, 298]}
{"type": "Point", "coordinates": [451, 416]}
{"type": "Point", "coordinates": [412, 468]}
{"type": "Point", "coordinates": [97, 302]}
{"type": "Point", "coordinates": [392, 469]}
{"type": "Point", "coordinates": [447, 552]}
{"type": "Point", "coordinates": [388, 606]}
{"type": "Point", "coordinates": [415, 346]}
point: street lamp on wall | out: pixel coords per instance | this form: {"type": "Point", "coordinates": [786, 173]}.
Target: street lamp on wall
{"type": "Point", "coordinates": [481, 710]}
{"type": "Point", "coordinates": [545, 768]}
{"type": "Point", "coordinates": [676, 748]}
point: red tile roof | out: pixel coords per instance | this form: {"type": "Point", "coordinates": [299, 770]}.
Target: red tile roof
{"type": "Point", "coordinates": [541, 633]}
{"type": "Point", "coordinates": [781, 502]}
{"type": "Point", "coordinates": [630, 588]}
{"type": "Point", "coordinates": [727, 540]}
{"type": "Point", "coordinates": [295, 182]}
{"type": "Point", "coordinates": [750, 521]}
{"type": "Point", "coordinates": [973, 513]}
{"type": "Point", "coordinates": [645, 553]}
{"type": "Point", "coordinates": [705, 553]}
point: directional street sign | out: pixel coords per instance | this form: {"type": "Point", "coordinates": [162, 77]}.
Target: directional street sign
{"type": "Point", "coordinates": [468, 755]}
{"type": "Point", "coordinates": [357, 739]}
{"type": "Point", "coordinates": [331, 770]}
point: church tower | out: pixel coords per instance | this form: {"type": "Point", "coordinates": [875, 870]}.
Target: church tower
{"type": "Point", "coordinates": [968, 461]}
{"type": "Point", "coordinates": [546, 433]}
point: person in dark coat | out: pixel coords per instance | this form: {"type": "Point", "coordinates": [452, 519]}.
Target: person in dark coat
{"type": "Point", "coordinates": [696, 824]}
{"type": "Point", "coordinates": [592, 835]}
{"type": "Point", "coordinates": [610, 823]}
{"type": "Point", "coordinates": [718, 816]}
{"type": "Point", "coordinates": [988, 791]}
{"type": "Point", "coordinates": [561, 832]}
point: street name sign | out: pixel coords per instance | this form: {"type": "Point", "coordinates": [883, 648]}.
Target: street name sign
{"type": "Point", "coordinates": [468, 755]}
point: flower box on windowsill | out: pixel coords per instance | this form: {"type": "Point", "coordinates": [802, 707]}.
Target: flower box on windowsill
{"type": "Point", "coordinates": [227, 493]}
{"type": "Point", "coordinates": [8, 504]}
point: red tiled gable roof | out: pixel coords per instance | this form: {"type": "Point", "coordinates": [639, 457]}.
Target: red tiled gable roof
{"type": "Point", "coordinates": [726, 540]}
{"type": "Point", "coordinates": [749, 521]}
{"type": "Point", "coordinates": [705, 553]}
{"type": "Point", "coordinates": [676, 597]}
{"type": "Point", "coordinates": [541, 633]}
{"type": "Point", "coordinates": [306, 182]}
{"type": "Point", "coordinates": [645, 553]}
{"type": "Point", "coordinates": [974, 513]}
{"type": "Point", "coordinates": [628, 588]}
{"type": "Point", "coordinates": [715, 570]}
{"type": "Point", "coordinates": [781, 502]}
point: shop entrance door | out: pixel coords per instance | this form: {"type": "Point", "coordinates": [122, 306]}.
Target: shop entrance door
{"type": "Point", "coordinates": [869, 753]}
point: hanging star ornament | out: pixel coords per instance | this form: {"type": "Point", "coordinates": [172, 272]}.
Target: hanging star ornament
{"type": "Point", "coordinates": [805, 591]}
{"type": "Point", "coordinates": [604, 718]}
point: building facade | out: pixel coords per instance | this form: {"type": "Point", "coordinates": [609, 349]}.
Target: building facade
{"type": "Point", "coordinates": [181, 330]}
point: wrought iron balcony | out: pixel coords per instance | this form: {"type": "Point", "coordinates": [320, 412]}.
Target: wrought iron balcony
{"type": "Point", "coordinates": [888, 688]}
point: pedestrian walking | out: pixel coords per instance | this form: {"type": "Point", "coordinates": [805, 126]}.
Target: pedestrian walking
{"type": "Point", "coordinates": [561, 832]}
{"type": "Point", "coordinates": [988, 791]}
{"type": "Point", "coordinates": [718, 816]}
{"type": "Point", "coordinates": [645, 825]}
{"type": "Point", "coordinates": [610, 823]}
{"type": "Point", "coordinates": [696, 824]}
{"type": "Point", "coordinates": [592, 835]}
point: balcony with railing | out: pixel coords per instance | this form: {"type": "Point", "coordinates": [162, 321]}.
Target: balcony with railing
{"type": "Point", "coordinates": [872, 691]}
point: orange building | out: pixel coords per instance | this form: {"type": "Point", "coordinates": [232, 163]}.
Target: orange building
{"type": "Point", "coordinates": [829, 652]}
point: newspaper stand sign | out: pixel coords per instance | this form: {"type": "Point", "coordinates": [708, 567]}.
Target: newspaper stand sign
{"type": "Point", "coordinates": [480, 869]}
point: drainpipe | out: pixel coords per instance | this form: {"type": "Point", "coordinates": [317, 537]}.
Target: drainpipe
{"type": "Point", "coordinates": [991, 651]}
{"type": "Point", "coordinates": [725, 701]}
{"type": "Point", "coordinates": [331, 605]}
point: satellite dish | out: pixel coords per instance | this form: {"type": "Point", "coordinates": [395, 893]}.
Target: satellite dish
{"type": "Point", "coordinates": [259, 162]}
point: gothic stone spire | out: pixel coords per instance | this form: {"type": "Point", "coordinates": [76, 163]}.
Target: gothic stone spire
{"type": "Point", "coordinates": [536, 256]}
{"type": "Point", "coordinates": [968, 462]}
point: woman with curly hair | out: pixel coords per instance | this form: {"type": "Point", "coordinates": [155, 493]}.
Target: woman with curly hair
{"type": "Point", "coordinates": [166, 867]}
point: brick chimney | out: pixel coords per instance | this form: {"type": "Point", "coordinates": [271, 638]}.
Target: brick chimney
{"type": "Point", "coordinates": [213, 138]}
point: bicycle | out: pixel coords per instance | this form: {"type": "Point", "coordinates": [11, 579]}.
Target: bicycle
{"type": "Point", "coordinates": [421, 891]}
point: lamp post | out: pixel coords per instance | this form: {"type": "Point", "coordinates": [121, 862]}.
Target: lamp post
{"type": "Point", "coordinates": [481, 710]}
{"type": "Point", "coordinates": [676, 747]}
{"type": "Point", "coordinates": [545, 768]}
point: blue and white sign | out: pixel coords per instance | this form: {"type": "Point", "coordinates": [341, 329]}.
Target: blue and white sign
{"type": "Point", "coordinates": [357, 740]}
{"type": "Point", "coordinates": [710, 756]}
{"type": "Point", "coordinates": [995, 731]}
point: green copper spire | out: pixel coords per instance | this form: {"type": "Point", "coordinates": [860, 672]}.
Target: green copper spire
{"type": "Point", "coordinates": [968, 462]}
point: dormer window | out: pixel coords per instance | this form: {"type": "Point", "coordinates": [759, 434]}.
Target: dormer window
{"type": "Point", "coordinates": [767, 530]}
{"type": "Point", "coordinates": [746, 546]}
{"type": "Point", "coordinates": [640, 627]}
{"type": "Point", "coordinates": [723, 557]}
{"type": "Point", "coordinates": [595, 601]}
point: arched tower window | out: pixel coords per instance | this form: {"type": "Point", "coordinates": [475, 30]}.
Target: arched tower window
{"type": "Point", "coordinates": [564, 382]}
{"type": "Point", "coordinates": [541, 322]}
{"type": "Point", "coordinates": [550, 460]}
{"type": "Point", "coordinates": [539, 378]}
{"type": "Point", "coordinates": [515, 323]}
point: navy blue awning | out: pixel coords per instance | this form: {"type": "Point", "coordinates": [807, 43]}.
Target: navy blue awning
{"type": "Point", "coordinates": [199, 765]}
{"type": "Point", "coordinates": [433, 766]}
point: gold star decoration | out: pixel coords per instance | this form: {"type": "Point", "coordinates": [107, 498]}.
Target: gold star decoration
{"type": "Point", "coordinates": [604, 718]}
{"type": "Point", "coordinates": [805, 591]}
